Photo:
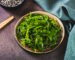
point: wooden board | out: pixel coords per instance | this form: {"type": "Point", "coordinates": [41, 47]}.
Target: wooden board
{"type": "Point", "coordinates": [9, 49]}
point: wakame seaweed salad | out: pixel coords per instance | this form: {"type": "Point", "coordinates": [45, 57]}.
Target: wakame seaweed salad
{"type": "Point", "coordinates": [38, 32]}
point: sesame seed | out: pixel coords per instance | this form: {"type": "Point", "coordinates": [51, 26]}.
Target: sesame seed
{"type": "Point", "coordinates": [11, 3]}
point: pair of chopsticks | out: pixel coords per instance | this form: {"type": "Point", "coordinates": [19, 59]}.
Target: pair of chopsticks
{"type": "Point", "coordinates": [5, 22]}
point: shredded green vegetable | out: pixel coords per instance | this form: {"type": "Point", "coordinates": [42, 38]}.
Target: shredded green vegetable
{"type": "Point", "coordinates": [38, 32]}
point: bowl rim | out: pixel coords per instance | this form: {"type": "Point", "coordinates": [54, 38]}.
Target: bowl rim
{"type": "Point", "coordinates": [51, 16]}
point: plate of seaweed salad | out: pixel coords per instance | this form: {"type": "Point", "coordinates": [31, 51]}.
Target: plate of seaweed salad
{"type": "Point", "coordinates": [39, 32]}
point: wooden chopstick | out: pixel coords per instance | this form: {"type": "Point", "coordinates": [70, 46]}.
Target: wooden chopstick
{"type": "Point", "coordinates": [5, 22]}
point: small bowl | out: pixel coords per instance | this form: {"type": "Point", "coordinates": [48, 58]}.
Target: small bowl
{"type": "Point", "coordinates": [4, 4]}
{"type": "Point", "coordinates": [51, 16]}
